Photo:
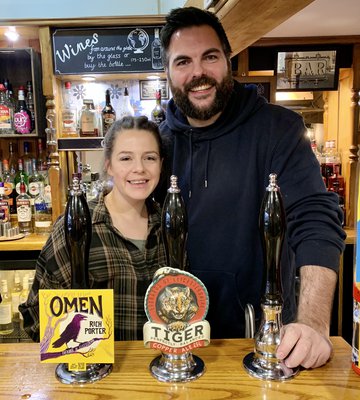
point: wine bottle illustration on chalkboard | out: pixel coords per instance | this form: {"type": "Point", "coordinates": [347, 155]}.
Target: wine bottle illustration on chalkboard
{"type": "Point", "coordinates": [156, 51]}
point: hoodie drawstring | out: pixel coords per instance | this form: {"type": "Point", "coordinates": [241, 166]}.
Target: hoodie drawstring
{"type": "Point", "coordinates": [206, 164]}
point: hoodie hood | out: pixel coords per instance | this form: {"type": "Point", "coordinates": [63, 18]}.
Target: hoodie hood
{"type": "Point", "coordinates": [243, 103]}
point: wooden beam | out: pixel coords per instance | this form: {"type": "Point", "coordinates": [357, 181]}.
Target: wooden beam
{"type": "Point", "coordinates": [246, 21]}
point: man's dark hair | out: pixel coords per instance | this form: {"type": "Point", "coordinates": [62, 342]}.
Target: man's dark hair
{"type": "Point", "coordinates": [187, 17]}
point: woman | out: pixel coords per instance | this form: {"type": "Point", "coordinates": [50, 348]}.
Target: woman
{"type": "Point", "coordinates": [126, 247]}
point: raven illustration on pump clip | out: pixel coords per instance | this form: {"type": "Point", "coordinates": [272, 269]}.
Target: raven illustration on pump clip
{"type": "Point", "coordinates": [71, 331]}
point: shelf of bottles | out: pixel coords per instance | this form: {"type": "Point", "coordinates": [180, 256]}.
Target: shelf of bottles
{"type": "Point", "coordinates": [22, 105]}
{"type": "Point", "coordinates": [14, 289]}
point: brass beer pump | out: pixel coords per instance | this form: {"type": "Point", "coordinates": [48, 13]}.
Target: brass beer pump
{"type": "Point", "coordinates": [263, 363]}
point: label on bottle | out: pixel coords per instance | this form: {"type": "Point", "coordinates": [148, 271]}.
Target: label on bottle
{"type": "Point", "coordinates": [34, 188]}
{"type": "Point", "coordinates": [4, 211]}
{"type": "Point", "coordinates": [22, 122]}
{"type": "Point", "coordinates": [69, 122]}
{"type": "Point", "coordinates": [17, 188]}
{"type": "Point", "coordinates": [9, 187]}
{"type": "Point", "coordinates": [15, 301]}
{"type": "Point", "coordinates": [5, 313]}
{"type": "Point", "coordinates": [42, 224]}
{"type": "Point", "coordinates": [23, 210]}
{"type": "Point", "coordinates": [5, 117]}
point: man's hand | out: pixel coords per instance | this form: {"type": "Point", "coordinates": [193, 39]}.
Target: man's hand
{"type": "Point", "coordinates": [306, 342]}
{"type": "Point", "coordinates": [302, 345]}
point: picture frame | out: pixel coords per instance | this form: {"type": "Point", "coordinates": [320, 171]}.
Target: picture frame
{"type": "Point", "coordinates": [265, 85]}
{"type": "Point", "coordinates": [148, 89]}
{"type": "Point", "coordinates": [310, 70]}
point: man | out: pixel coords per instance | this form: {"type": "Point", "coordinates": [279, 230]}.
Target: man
{"type": "Point", "coordinates": [224, 141]}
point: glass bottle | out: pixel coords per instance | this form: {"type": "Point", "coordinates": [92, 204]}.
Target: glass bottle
{"type": "Point", "coordinates": [156, 51]}
{"type": "Point", "coordinates": [13, 160]}
{"type": "Point", "coordinates": [30, 103]}
{"type": "Point", "coordinates": [125, 105]}
{"type": "Point", "coordinates": [21, 173]}
{"type": "Point", "coordinates": [88, 120]}
{"type": "Point", "coordinates": [42, 159]}
{"type": "Point", "coordinates": [23, 297]}
{"type": "Point", "coordinates": [43, 214]}
{"type": "Point", "coordinates": [158, 113]}
{"type": "Point", "coordinates": [15, 296]}
{"type": "Point", "coordinates": [9, 187]}
{"type": "Point", "coordinates": [23, 208]}
{"type": "Point", "coordinates": [27, 160]}
{"type": "Point", "coordinates": [36, 181]}
{"type": "Point", "coordinates": [108, 113]}
{"type": "Point", "coordinates": [69, 114]}
{"type": "Point", "coordinates": [174, 226]}
{"type": "Point", "coordinates": [22, 116]}
{"type": "Point", "coordinates": [78, 231]}
{"type": "Point", "coordinates": [6, 325]}
{"type": "Point", "coordinates": [4, 205]}
{"type": "Point", "coordinates": [6, 113]}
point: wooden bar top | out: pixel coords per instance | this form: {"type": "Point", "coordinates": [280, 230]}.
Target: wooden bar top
{"type": "Point", "coordinates": [22, 376]}
{"type": "Point", "coordinates": [29, 242]}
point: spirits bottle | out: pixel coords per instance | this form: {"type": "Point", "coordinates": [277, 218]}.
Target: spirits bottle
{"type": "Point", "coordinates": [78, 231]}
{"type": "Point", "coordinates": [158, 113]}
{"type": "Point", "coordinates": [21, 173]}
{"type": "Point", "coordinates": [6, 325]}
{"type": "Point", "coordinates": [4, 205]}
{"type": "Point", "coordinates": [174, 226]}
{"type": "Point", "coordinates": [43, 215]}
{"type": "Point", "coordinates": [13, 160]}
{"type": "Point", "coordinates": [15, 296]}
{"type": "Point", "coordinates": [336, 184]}
{"type": "Point", "coordinates": [30, 103]}
{"type": "Point", "coordinates": [108, 114]}
{"type": "Point", "coordinates": [125, 105]}
{"type": "Point", "coordinates": [22, 116]}
{"type": "Point", "coordinates": [69, 114]}
{"type": "Point", "coordinates": [6, 113]}
{"type": "Point", "coordinates": [36, 181]}
{"type": "Point", "coordinates": [9, 186]}
{"type": "Point", "coordinates": [331, 158]}
{"type": "Point", "coordinates": [23, 208]}
{"type": "Point", "coordinates": [23, 297]}
{"type": "Point", "coordinates": [42, 159]}
{"type": "Point", "coordinates": [27, 160]}
{"type": "Point", "coordinates": [156, 51]}
{"type": "Point", "coordinates": [88, 120]}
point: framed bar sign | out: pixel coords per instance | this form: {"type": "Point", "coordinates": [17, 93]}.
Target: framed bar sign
{"type": "Point", "coordinates": [307, 70]}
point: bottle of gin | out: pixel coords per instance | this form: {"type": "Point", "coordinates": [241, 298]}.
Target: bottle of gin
{"type": "Point", "coordinates": [23, 207]}
{"type": "Point", "coordinates": [126, 108]}
{"type": "Point", "coordinates": [43, 215]}
{"type": "Point", "coordinates": [6, 325]}
{"type": "Point", "coordinates": [6, 113]}
{"type": "Point", "coordinates": [108, 114]}
{"type": "Point", "coordinates": [22, 116]}
{"type": "Point", "coordinates": [68, 114]}
{"type": "Point", "coordinates": [158, 113]}
{"type": "Point", "coordinates": [89, 120]}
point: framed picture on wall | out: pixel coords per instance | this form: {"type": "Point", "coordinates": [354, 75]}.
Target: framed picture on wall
{"type": "Point", "coordinates": [307, 70]}
{"type": "Point", "coordinates": [149, 87]}
{"type": "Point", "coordinates": [265, 85]}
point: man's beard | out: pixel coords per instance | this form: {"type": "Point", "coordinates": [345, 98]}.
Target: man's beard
{"type": "Point", "coordinates": [223, 93]}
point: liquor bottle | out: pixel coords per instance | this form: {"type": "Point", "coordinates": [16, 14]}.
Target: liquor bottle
{"type": "Point", "coordinates": [88, 120]}
{"type": "Point", "coordinates": [22, 116]}
{"type": "Point", "coordinates": [156, 51]}
{"type": "Point", "coordinates": [27, 159]}
{"type": "Point", "coordinates": [36, 181]}
{"type": "Point", "coordinates": [15, 296]}
{"type": "Point", "coordinates": [69, 114]}
{"type": "Point", "coordinates": [30, 103]}
{"type": "Point", "coordinates": [108, 114]}
{"type": "Point", "coordinates": [158, 113]}
{"type": "Point", "coordinates": [4, 205]}
{"type": "Point", "coordinates": [6, 325]}
{"type": "Point", "coordinates": [21, 173]}
{"type": "Point", "coordinates": [331, 158]}
{"type": "Point", "coordinates": [23, 297]}
{"type": "Point", "coordinates": [23, 208]}
{"type": "Point", "coordinates": [174, 226]}
{"type": "Point", "coordinates": [6, 113]}
{"type": "Point", "coordinates": [42, 159]}
{"type": "Point", "coordinates": [9, 186]}
{"type": "Point", "coordinates": [78, 231]}
{"type": "Point", "coordinates": [43, 214]}
{"type": "Point", "coordinates": [13, 160]}
{"type": "Point", "coordinates": [125, 105]}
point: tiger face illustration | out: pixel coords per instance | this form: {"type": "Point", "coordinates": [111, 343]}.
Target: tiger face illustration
{"type": "Point", "coordinates": [176, 305]}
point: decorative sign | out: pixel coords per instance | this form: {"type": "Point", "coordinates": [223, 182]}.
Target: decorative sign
{"type": "Point", "coordinates": [307, 70]}
{"type": "Point", "coordinates": [76, 327]}
{"type": "Point", "coordinates": [107, 50]}
{"type": "Point", "coordinates": [176, 304]}
{"type": "Point", "coordinates": [149, 87]}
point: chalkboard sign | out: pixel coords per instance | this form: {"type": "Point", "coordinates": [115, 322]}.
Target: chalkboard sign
{"type": "Point", "coordinates": [107, 50]}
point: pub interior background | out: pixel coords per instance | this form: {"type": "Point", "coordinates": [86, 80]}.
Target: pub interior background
{"type": "Point", "coordinates": [257, 32]}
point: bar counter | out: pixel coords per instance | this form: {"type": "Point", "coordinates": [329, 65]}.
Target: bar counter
{"type": "Point", "coordinates": [22, 376]}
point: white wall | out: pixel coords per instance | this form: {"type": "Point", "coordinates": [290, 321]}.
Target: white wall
{"type": "Point", "coordinates": [46, 9]}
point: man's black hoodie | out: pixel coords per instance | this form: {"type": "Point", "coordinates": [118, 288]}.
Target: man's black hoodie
{"type": "Point", "coordinates": [223, 170]}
